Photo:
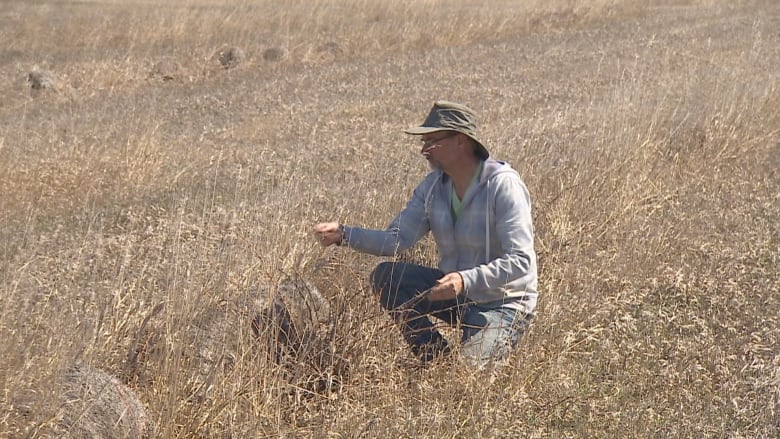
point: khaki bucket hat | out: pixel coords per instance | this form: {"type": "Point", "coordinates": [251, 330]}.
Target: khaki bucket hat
{"type": "Point", "coordinates": [451, 116]}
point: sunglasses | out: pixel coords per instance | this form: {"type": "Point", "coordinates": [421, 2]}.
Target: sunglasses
{"type": "Point", "coordinates": [429, 143]}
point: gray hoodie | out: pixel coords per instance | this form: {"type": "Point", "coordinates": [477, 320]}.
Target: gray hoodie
{"type": "Point", "coordinates": [491, 244]}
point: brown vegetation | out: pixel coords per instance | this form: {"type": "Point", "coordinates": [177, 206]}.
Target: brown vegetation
{"type": "Point", "coordinates": [138, 215]}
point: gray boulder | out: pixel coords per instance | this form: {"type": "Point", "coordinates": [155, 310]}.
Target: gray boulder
{"type": "Point", "coordinates": [276, 54]}
{"type": "Point", "coordinates": [96, 405]}
{"type": "Point", "coordinates": [290, 319]}
{"type": "Point", "coordinates": [41, 80]}
{"type": "Point", "coordinates": [230, 57]}
{"type": "Point", "coordinates": [165, 69]}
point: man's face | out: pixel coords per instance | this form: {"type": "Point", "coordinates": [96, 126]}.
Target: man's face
{"type": "Point", "coordinates": [439, 148]}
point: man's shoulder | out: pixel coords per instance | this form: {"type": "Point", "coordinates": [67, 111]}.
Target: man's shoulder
{"type": "Point", "coordinates": [507, 180]}
{"type": "Point", "coordinates": [428, 182]}
{"type": "Point", "coordinates": [432, 177]}
{"type": "Point", "coordinates": [498, 170]}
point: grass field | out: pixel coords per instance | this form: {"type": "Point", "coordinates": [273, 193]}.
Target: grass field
{"type": "Point", "coordinates": [140, 214]}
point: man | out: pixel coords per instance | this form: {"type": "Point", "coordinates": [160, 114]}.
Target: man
{"type": "Point", "coordinates": [479, 212]}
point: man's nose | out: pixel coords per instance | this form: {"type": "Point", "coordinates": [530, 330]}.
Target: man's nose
{"type": "Point", "coordinates": [426, 149]}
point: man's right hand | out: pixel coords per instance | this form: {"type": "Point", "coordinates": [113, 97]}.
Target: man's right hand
{"type": "Point", "coordinates": [328, 233]}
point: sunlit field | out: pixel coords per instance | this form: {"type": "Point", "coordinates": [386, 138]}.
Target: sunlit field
{"type": "Point", "coordinates": [162, 164]}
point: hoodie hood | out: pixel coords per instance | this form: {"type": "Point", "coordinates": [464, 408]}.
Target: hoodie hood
{"type": "Point", "coordinates": [492, 167]}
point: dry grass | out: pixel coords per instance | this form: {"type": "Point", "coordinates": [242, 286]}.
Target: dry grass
{"type": "Point", "coordinates": [139, 214]}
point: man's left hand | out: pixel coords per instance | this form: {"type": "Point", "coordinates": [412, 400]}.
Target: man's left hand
{"type": "Point", "coordinates": [446, 288]}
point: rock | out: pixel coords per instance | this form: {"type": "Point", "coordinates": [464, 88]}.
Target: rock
{"type": "Point", "coordinates": [276, 54]}
{"type": "Point", "coordinates": [295, 328]}
{"type": "Point", "coordinates": [210, 341]}
{"type": "Point", "coordinates": [148, 341]}
{"type": "Point", "coordinates": [331, 49]}
{"type": "Point", "coordinates": [286, 318]}
{"type": "Point", "coordinates": [97, 405]}
{"type": "Point", "coordinates": [290, 320]}
{"type": "Point", "coordinates": [230, 57]}
{"type": "Point", "coordinates": [326, 52]}
{"type": "Point", "coordinates": [166, 69]}
{"type": "Point", "coordinates": [212, 348]}
{"type": "Point", "coordinates": [40, 80]}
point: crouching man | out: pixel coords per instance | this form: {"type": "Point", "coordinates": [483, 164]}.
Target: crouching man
{"type": "Point", "coordinates": [479, 212]}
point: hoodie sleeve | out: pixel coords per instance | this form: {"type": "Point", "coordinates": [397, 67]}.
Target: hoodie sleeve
{"type": "Point", "coordinates": [514, 230]}
{"type": "Point", "coordinates": [408, 227]}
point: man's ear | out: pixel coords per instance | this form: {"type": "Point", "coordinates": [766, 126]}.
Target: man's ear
{"type": "Point", "coordinates": [466, 143]}
{"type": "Point", "coordinates": [463, 141]}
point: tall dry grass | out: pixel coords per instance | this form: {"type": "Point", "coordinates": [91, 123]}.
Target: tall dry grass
{"type": "Point", "coordinates": [140, 217]}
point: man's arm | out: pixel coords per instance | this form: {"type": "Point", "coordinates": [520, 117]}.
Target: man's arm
{"type": "Point", "coordinates": [408, 227]}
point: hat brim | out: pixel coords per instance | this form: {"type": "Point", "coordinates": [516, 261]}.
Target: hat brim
{"type": "Point", "coordinates": [418, 131]}
{"type": "Point", "coordinates": [482, 152]}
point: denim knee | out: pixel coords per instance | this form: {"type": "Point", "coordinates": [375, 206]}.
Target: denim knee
{"type": "Point", "coordinates": [381, 275]}
{"type": "Point", "coordinates": [386, 282]}
{"type": "Point", "coordinates": [491, 335]}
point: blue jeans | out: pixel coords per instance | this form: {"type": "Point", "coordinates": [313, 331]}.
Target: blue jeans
{"type": "Point", "coordinates": [488, 333]}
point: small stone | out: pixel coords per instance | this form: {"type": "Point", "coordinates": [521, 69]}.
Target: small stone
{"type": "Point", "coordinates": [293, 316]}
{"type": "Point", "coordinates": [331, 48]}
{"type": "Point", "coordinates": [230, 57]}
{"type": "Point", "coordinates": [166, 69]}
{"type": "Point", "coordinates": [40, 80]}
{"type": "Point", "coordinates": [276, 54]}
{"type": "Point", "coordinates": [97, 405]}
